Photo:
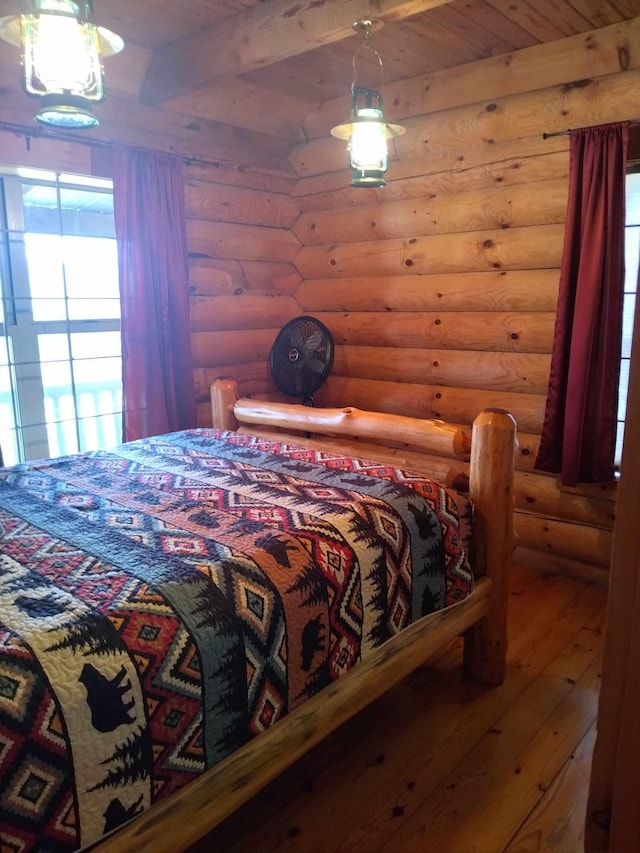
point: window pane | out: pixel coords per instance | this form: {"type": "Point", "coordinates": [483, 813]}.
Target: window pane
{"type": "Point", "coordinates": [94, 309]}
{"type": "Point", "coordinates": [9, 445]}
{"type": "Point", "coordinates": [82, 212]}
{"type": "Point", "coordinates": [53, 347]}
{"type": "Point", "coordinates": [58, 391]}
{"type": "Point", "coordinates": [95, 344]}
{"type": "Point", "coordinates": [627, 324]}
{"type": "Point", "coordinates": [40, 206]}
{"type": "Point", "coordinates": [62, 438]}
{"type": "Point", "coordinates": [633, 198]}
{"type": "Point", "coordinates": [619, 438]}
{"type": "Point", "coordinates": [103, 431]}
{"type": "Point", "coordinates": [5, 281]}
{"type": "Point", "coordinates": [36, 174]}
{"type": "Point", "coordinates": [46, 276]}
{"type": "Point", "coordinates": [98, 386]}
{"type": "Point", "coordinates": [92, 387]}
{"type": "Point", "coordinates": [623, 388]}
{"type": "Point", "coordinates": [88, 180]}
{"type": "Point", "coordinates": [87, 213]}
{"type": "Point", "coordinates": [91, 269]}
{"type": "Point", "coordinates": [85, 268]}
{"type": "Point", "coordinates": [631, 253]}
{"type": "Point", "coordinates": [8, 436]}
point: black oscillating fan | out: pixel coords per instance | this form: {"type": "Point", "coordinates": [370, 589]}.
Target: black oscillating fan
{"type": "Point", "coordinates": [301, 357]}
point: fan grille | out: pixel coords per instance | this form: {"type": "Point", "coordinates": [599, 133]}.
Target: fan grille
{"type": "Point", "coordinates": [301, 356]}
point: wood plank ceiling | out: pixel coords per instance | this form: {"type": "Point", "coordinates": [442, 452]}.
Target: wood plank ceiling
{"type": "Point", "coordinates": [199, 40]}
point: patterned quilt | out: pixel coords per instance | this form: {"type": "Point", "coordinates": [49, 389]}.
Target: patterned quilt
{"type": "Point", "coordinates": [163, 602]}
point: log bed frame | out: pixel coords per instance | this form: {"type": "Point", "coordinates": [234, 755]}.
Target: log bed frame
{"type": "Point", "coordinates": [434, 448]}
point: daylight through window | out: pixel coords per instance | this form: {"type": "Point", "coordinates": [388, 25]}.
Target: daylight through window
{"type": "Point", "coordinates": [60, 355]}
{"type": "Point", "coordinates": [632, 256]}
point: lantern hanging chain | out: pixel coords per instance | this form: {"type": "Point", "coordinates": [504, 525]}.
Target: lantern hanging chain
{"type": "Point", "coordinates": [365, 27]}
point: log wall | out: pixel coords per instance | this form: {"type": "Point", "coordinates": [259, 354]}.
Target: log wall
{"type": "Point", "coordinates": [242, 276]}
{"type": "Point", "coordinates": [441, 288]}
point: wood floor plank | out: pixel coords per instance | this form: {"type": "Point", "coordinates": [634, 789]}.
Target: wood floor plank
{"type": "Point", "coordinates": [364, 783]}
{"type": "Point", "coordinates": [556, 825]}
{"type": "Point", "coordinates": [500, 782]}
{"type": "Point", "coordinates": [458, 729]}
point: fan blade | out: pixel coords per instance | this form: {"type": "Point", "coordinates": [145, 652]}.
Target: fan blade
{"type": "Point", "coordinates": [306, 336]}
{"type": "Point", "coordinates": [314, 364]}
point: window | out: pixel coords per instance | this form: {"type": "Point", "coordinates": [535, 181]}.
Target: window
{"type": "Point", "coordinates": [632, 260]}
{"type": "Point", "coordinates": [60, 354]}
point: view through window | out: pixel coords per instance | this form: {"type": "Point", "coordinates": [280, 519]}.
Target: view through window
{"type": "Point", "coordinates": [632, 259]}
{"type": "Point", "coordinates": [60, 354]}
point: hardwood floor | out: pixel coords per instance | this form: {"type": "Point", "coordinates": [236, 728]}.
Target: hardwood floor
{"type": "Point", "coordinates": [442, 765]}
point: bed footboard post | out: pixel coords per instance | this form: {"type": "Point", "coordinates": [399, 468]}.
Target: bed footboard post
{"type": "Point", "coordinates": [491, 490]}
{"type": "Point", "coordinates": [224, 394]}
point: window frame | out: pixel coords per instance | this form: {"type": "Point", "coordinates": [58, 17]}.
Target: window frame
{"type": "Point", "coordinates": [632, 167]}
{"type": "Point", "coordinates": [18, 328]}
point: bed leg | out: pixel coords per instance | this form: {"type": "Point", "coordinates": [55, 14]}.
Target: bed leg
{"type": "Point", "coordinates": [491, 490]}
{"type": "Point", "coordinates": [224, 395]}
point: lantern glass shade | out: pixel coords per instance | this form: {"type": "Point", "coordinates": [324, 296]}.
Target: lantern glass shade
{"type": "Point", "coordinates": [367, 133]}
{"type": "Point", "coordinates": [368, 144]}
{"type": "Point", "coordinates": [61, 55]}
{"type": "Point", "coordinates": [62, 52]}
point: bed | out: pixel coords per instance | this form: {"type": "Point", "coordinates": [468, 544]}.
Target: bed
{"type": "Point", "coordinates": [182, 617]}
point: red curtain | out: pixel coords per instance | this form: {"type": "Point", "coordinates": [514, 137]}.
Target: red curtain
{"type": "Point", "coordinates": [579, 431]}
{"type": "Point", "coordinates": [148, 191]}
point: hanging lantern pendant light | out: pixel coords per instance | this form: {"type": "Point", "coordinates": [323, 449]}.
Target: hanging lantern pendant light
{"type": "Point", "coordinates": [366, 131]}
{"type": "Point", "coordinates": [62, 52]}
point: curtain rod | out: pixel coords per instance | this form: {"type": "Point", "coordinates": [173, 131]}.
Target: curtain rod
{"type": "Point", "coordinates": [632, 123]}
{"type": "Point", "coordinates": [30, 133]}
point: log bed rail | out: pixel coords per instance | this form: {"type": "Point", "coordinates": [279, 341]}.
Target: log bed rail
{"type": "Point", "coordinates": [191, 812]}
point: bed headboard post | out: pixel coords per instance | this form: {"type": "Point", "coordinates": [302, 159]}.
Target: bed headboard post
{"type": "Point", "coordinates": [224, 393]}
{"type": "Point", "coordinates": [491, 475]}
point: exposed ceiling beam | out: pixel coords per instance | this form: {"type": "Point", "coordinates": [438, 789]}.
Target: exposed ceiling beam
{"type": "Point", "coordinates": [265, 34]}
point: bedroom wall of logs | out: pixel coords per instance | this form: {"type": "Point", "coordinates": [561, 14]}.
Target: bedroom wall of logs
{"type": "Point", "coordinates": [439, 289]}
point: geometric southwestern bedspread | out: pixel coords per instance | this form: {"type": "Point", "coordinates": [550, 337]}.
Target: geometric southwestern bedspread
{"type": "Point", "coordinates": [166, 600]}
